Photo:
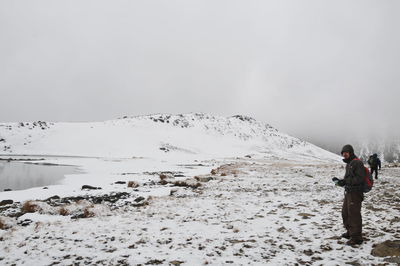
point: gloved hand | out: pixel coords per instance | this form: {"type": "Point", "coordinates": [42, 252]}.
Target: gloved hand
{"type": "Point", "coordinates": [339, 182]}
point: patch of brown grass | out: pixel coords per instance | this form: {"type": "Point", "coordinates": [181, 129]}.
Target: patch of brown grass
{"type": "Point", "coordinates": [87, 213]}
{"type": "Point", "coordinates": [163, 182]}
{"type": "Point", "coordinates": [133, 184]}
{"type": "Point", "coordinates": [163, 179]}
{"type": "Point", "coordinates": [29, 207]}
{"type": "Point", "coordinates": [63, 211]}
{"type": "Point", "coordinates": [3, 225]}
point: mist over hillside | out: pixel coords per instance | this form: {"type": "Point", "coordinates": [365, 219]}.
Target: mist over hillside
{"type": "Point", "coordinates": [388, 150]}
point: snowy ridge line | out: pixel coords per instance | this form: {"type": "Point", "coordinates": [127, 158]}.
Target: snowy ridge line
{"type": "Point", "coordinates": [155, 136]}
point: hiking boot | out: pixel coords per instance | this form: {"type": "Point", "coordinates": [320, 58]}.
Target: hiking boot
{"type": "Point", "coordinates": [346, 235]}
{"type": "Point", "coordinates": [354, 241]}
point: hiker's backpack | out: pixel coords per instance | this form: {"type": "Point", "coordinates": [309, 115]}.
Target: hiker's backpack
{"type": "Point", "coordinates": [373, 162]}
{"type": "Point", "coordinates": [368, 180]}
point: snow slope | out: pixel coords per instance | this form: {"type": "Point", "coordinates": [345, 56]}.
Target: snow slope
{"type": "Point", "coordinates": [157, 136]}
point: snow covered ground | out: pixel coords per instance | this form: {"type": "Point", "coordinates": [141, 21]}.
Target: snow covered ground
{"type": "Point", "coordinates": [212, 191]}
{"type": "Point", "coordinates": [251, 212]}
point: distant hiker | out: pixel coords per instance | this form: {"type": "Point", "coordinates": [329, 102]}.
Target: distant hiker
{"type": "Point", "coordinates": [374, 163]}
{"type": "Point", "coordinates": [353, 182]}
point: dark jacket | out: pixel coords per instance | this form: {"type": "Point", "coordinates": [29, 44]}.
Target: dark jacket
{"type": "Point", "coordinates": [354, 176]}
{"type": "Point", "coordinates": [355, 171]}
{"type": "Point", "coordinates": [374, 161]}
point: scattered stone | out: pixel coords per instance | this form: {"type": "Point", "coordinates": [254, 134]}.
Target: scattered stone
{"type": "Point", "coordinates": [154, 262]}
{"type": "Point", "coordinates": [187, 183]}
{"type": "Point", "coordinates": [393, 260]}
{"type": "Point", "coordinates": [282, 229]}
{"type": "Point", "coordinates": [140, 202]}
{"type": "Point", "coordinates": [203, 178]}
{"type": "Point", "coordinates": [7, 189]}
{"type": "Point", "coordinates": [120, 182]}
{"type": "Point", "coordinates": [176, 262]}
{"type": "Point", "coordinates": [306, 215]}
{"type": "Point", "coordinates": [173, 191]}
{"type": "Point", "coordinates": [236, 241]}
{"type": "Point", "coordinates": [394, 220]}
{"type": "Point", "coordinates": [372, 208]}
{"type": "Point", "coordinates": [25, 222]}
{"type": "Point", "coordinates": [52, 198]}
{"type": "Point", "coordinates": [308, 252]}
{"type": "Point", "coordinates": [6, 202]}
{"type": "Point", "coordinates": [354, 263]}
{"type": "Point", "coordinates": [139, 199]}
{"type": "Point", "coordinates": [110, 198]}
{"type": "Point", "coordinates": [89, 187]}
{"type": "Point", "coordinates": [387, 248]}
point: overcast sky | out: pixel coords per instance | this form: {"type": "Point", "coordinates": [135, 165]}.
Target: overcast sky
{"type": "Point", "coordinates": [319, 70]}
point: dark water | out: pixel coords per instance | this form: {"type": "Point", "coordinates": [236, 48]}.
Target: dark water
{"type": "Point", "coordinates": [19, 175]}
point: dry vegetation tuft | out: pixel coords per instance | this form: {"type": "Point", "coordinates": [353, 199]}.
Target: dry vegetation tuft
{"type": "Point", "coordinates": [133, 184]}
{"type": "Point", "coordinates": [163, 182]}
{"type": "Point", "coordinates": [29, 207]}
{"type": "Point", "coordinates": [3, 225]}
{"type": "Point", "coordinates": [63, 211]}
{"type": "Point", "coordinates": [87, 213]}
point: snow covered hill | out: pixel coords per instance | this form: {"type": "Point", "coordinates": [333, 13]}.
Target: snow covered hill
{"type": "Point", "coordinates": [157, 136]}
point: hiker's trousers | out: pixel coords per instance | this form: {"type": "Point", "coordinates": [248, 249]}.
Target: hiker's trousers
{"type": "Point", "coordinates": [376, 172]}
{"type": "Point", "coordinates": [351, 213]}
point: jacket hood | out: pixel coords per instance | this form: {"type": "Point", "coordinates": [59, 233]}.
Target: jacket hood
{"type": "Point", "coordinates": [348, 148]}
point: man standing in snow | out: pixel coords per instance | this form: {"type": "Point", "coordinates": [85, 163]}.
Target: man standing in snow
{"type": "Point", "coordinates": [353, 184]}
{"type": "Point", "coordinates": [374, 163]}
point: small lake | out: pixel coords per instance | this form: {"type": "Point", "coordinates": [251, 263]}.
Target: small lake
{"type": "Point", "coordinates": [16, 175]}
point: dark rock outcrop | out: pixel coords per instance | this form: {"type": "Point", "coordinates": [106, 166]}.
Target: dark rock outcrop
{"type": "Point", "coordinates": [6, 202]}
